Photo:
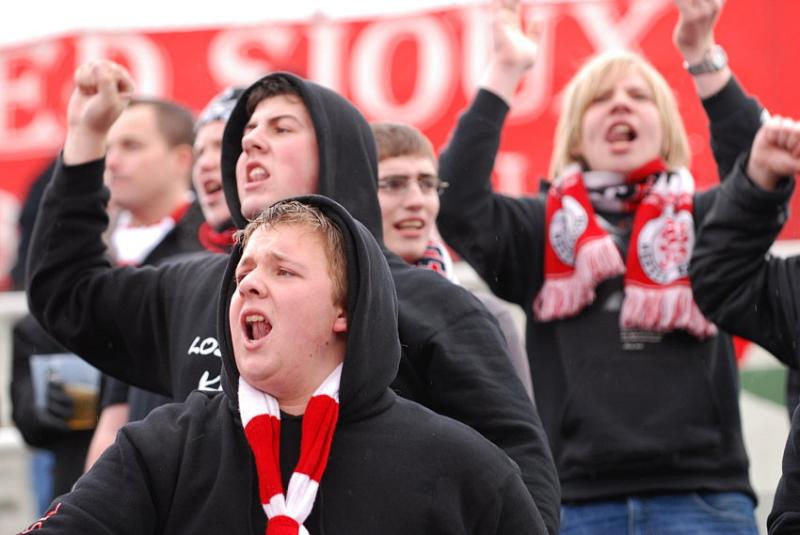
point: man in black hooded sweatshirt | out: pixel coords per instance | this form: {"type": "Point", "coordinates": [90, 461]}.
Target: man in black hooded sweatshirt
{"type": "Point", "coordinates": [308, 325]}
{"type": "Point", "coordinates": [160, 322]}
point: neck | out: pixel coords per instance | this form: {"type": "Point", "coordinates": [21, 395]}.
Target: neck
{"type": "Point", "coordinates": [295, 407]}
{"type": "Point", "coordinates": [152, 212]}
{"type": "Point", "coordinates": [295, 401]}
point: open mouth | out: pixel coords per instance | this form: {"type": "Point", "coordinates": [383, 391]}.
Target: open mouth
{"type": "Point", "coordinates": [212, 186]}
{"type": "Point", "coordinates": [410, 224]}
{"type": "Point", "coordinates": [621, 132]}
{"type": "Point", "coordinates": [256, 327]}
{"type": "Point", "coordinates": [256, 173]}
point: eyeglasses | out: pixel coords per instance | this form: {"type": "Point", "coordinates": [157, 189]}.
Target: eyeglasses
{"type": "Point", "coordinates": [399, 184]}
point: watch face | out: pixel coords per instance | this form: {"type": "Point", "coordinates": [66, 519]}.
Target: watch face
{"type": "Point", "coordinates": [718, 58]}
{"type": "Point", "coordinates": [714, 60]}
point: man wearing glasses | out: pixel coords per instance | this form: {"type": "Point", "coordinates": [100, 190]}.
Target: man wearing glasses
{"type": "Point", "coordinates": [408, 192]}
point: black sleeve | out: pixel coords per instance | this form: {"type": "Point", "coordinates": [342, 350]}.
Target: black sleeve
{"type": "Point", "coordinates": [511, 511]}
{"type": "Point", "coordinates": [785, 515]}
{"type": "Point", "coordinates": [736, 283]}
{"type": "Point", "coordinates": [116, 497]}
{"type": "Point", "coordinates": [734, 118]}
{"type": "Point", "coordinates": [30, 339]}
{"type": "Point", "coordinates": [502, 238]}
{"type": "Point", "coordinates": [470, 379]}
{"type": "Point", "coordinates": [115, 318]}
{"type": "Point", "coordinates": [114, 392]}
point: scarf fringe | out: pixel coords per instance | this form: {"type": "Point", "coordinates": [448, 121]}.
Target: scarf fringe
{"type": "Point", "coordinates": [565, 296]}
{"type": "Point", "coordinates": [664, 310]}
{"type": "Point", "coordinates": [598, 260]}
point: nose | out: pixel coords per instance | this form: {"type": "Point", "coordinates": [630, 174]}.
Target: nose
{"type": "Point", "coordinates": [254, 141]}
{"type": "Point", "coordinates": [208, 160]}
{"type": "Point", "coordinates": [414, 198]}
{"type": "Point", "coordinates": [620, 101]}
{"type": "Point", "coordinates": [112, 159]}
{"type": "Point", "coordinates": [252, 286]}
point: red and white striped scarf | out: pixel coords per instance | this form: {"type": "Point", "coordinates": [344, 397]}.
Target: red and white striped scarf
{"type": "Point", "coordinates": [579, 253]}
{"type": "Point", "coordinates": [260, 415]}
{"type": "Point", "coordinates": [437, 258]}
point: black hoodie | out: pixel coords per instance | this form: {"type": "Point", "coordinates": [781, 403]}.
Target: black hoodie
{"type": "Point", "coordinates": [162, 320]}
{"type": "Point", "coordinates": [394, 466]}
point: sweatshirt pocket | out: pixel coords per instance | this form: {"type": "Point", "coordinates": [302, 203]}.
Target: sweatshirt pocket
{"type": "Point", "coordinates": [634, 411]}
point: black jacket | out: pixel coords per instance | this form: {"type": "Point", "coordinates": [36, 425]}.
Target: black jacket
{"type": "Point", "coordinates": [657, 414]}
{"type": "Point", "coordinates": [742, 287]}
{"type": "Point", "coordinates": [182, 239]}
{"type": "Point", "coordinates": [394, 466]}
{"type": "Point", "coordinates": [736, 282]}
{"type": "Point", "coordinates": [454, 359]}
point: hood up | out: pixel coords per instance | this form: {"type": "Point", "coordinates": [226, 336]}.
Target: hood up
{"type": "Point", "coordinates": [372, 356]}
{"type": "Point", "coordinates": [348, 160]}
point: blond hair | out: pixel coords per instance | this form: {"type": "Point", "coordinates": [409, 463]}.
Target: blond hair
{"type": "Point", "coordinates": [594, 77]}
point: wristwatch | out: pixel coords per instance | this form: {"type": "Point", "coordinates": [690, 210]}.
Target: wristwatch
{"type": "Point", "coordinates": [715, 59]}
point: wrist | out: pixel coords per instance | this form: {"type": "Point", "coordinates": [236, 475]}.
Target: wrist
{"type": "Point", "coordinates": [83, 145]}
{"type": "Point", "coordinates": [760, 175]}
{"type": "Point", "coordinates": [711, 60]}
{"type": "Point", "coordinates": [502, 78]}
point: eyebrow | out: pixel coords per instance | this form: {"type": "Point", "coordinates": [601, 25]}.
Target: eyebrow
{"type": "Point", "coordinates": [248, 259]}
{"type": "Point", "coordinates": [275, 119]}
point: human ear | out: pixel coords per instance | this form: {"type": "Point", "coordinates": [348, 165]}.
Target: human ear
{"type": "Point", "coordinates": [340, 324]}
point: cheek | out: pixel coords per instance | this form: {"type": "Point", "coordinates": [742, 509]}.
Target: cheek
{"type": "Point", "coordinates": [240, 171]}
{"type": "Point", "coordinates": [432, 206]}
{"type": "Point", "coordinates": [387, 206]}
{"type": "Point", "coordinates": [233, 316]}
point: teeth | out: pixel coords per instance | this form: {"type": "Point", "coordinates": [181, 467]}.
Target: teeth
{"type": "Point", "coordinates": [257, 326]}
{"type": "Point", "coordinates": [620, 132]}
{"type": "Point", "coordinates": [252, 318]}
{"type": "Point", "coordinates": [410, 224]}
{"type": "Point", "coordinates": [213, 187]}
{"type": "Point", "coordinates": [256, 174]}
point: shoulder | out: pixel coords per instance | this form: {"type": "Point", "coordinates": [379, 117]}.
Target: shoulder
{"type": "Point", "coordinates": [175, 422]}
{"type": "Point", "coordinates": [455, 446]}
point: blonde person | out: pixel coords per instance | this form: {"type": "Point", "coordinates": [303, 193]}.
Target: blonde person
{"type": "Point", "coordinates": [636, 388]}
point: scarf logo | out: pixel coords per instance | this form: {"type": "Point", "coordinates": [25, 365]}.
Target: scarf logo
{"type": "Point", "coordinates": [664, 246]}
{"type": "Point", "coordinates": [568, 224]}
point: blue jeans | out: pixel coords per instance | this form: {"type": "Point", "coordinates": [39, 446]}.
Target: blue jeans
{"type": "Point", "coordinates": [42, 478]}
{"type": "Point", "coordinates": [705, 513]}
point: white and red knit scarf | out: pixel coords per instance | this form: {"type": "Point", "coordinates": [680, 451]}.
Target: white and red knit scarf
{"type": "Point", "coordinates": [260, 415]}
{"type": "Point", "coordinates": [579, 253]}
{"type": "Point", "coordinates": [437, 258]}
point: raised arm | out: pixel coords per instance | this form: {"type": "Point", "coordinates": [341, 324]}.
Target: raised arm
{"type": "Point", "coordinates": [114, 318]}
{"type": "Point", "coordinates": [736, 282]}
{"type": "Point", "coordinates": [500, 237]}
{"type": "Point", "coordinates": [734, 117]}
{"type": "Point", "coordinates": [694, 38]}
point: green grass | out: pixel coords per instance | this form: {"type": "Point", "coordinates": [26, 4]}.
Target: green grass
{"type": "Point", "coordinates": [769, 384]}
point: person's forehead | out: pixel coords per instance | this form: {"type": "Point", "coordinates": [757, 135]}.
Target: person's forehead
{"type": "Point", "coordinates": [135, 122]}
{"type": "Point", "coordinates": [211, 131]}
{"type": "Point", "coordinates": [406, 162]}
{"type": "Point", "coordinates": [271, 235]}
{"type": "Point", "coordinates": [626, 76]}
{"type": "Point", "coordinates": [286, 103]}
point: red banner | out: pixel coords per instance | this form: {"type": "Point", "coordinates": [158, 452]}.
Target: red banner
{"type": "Point", "coordinates": [421, 69]}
